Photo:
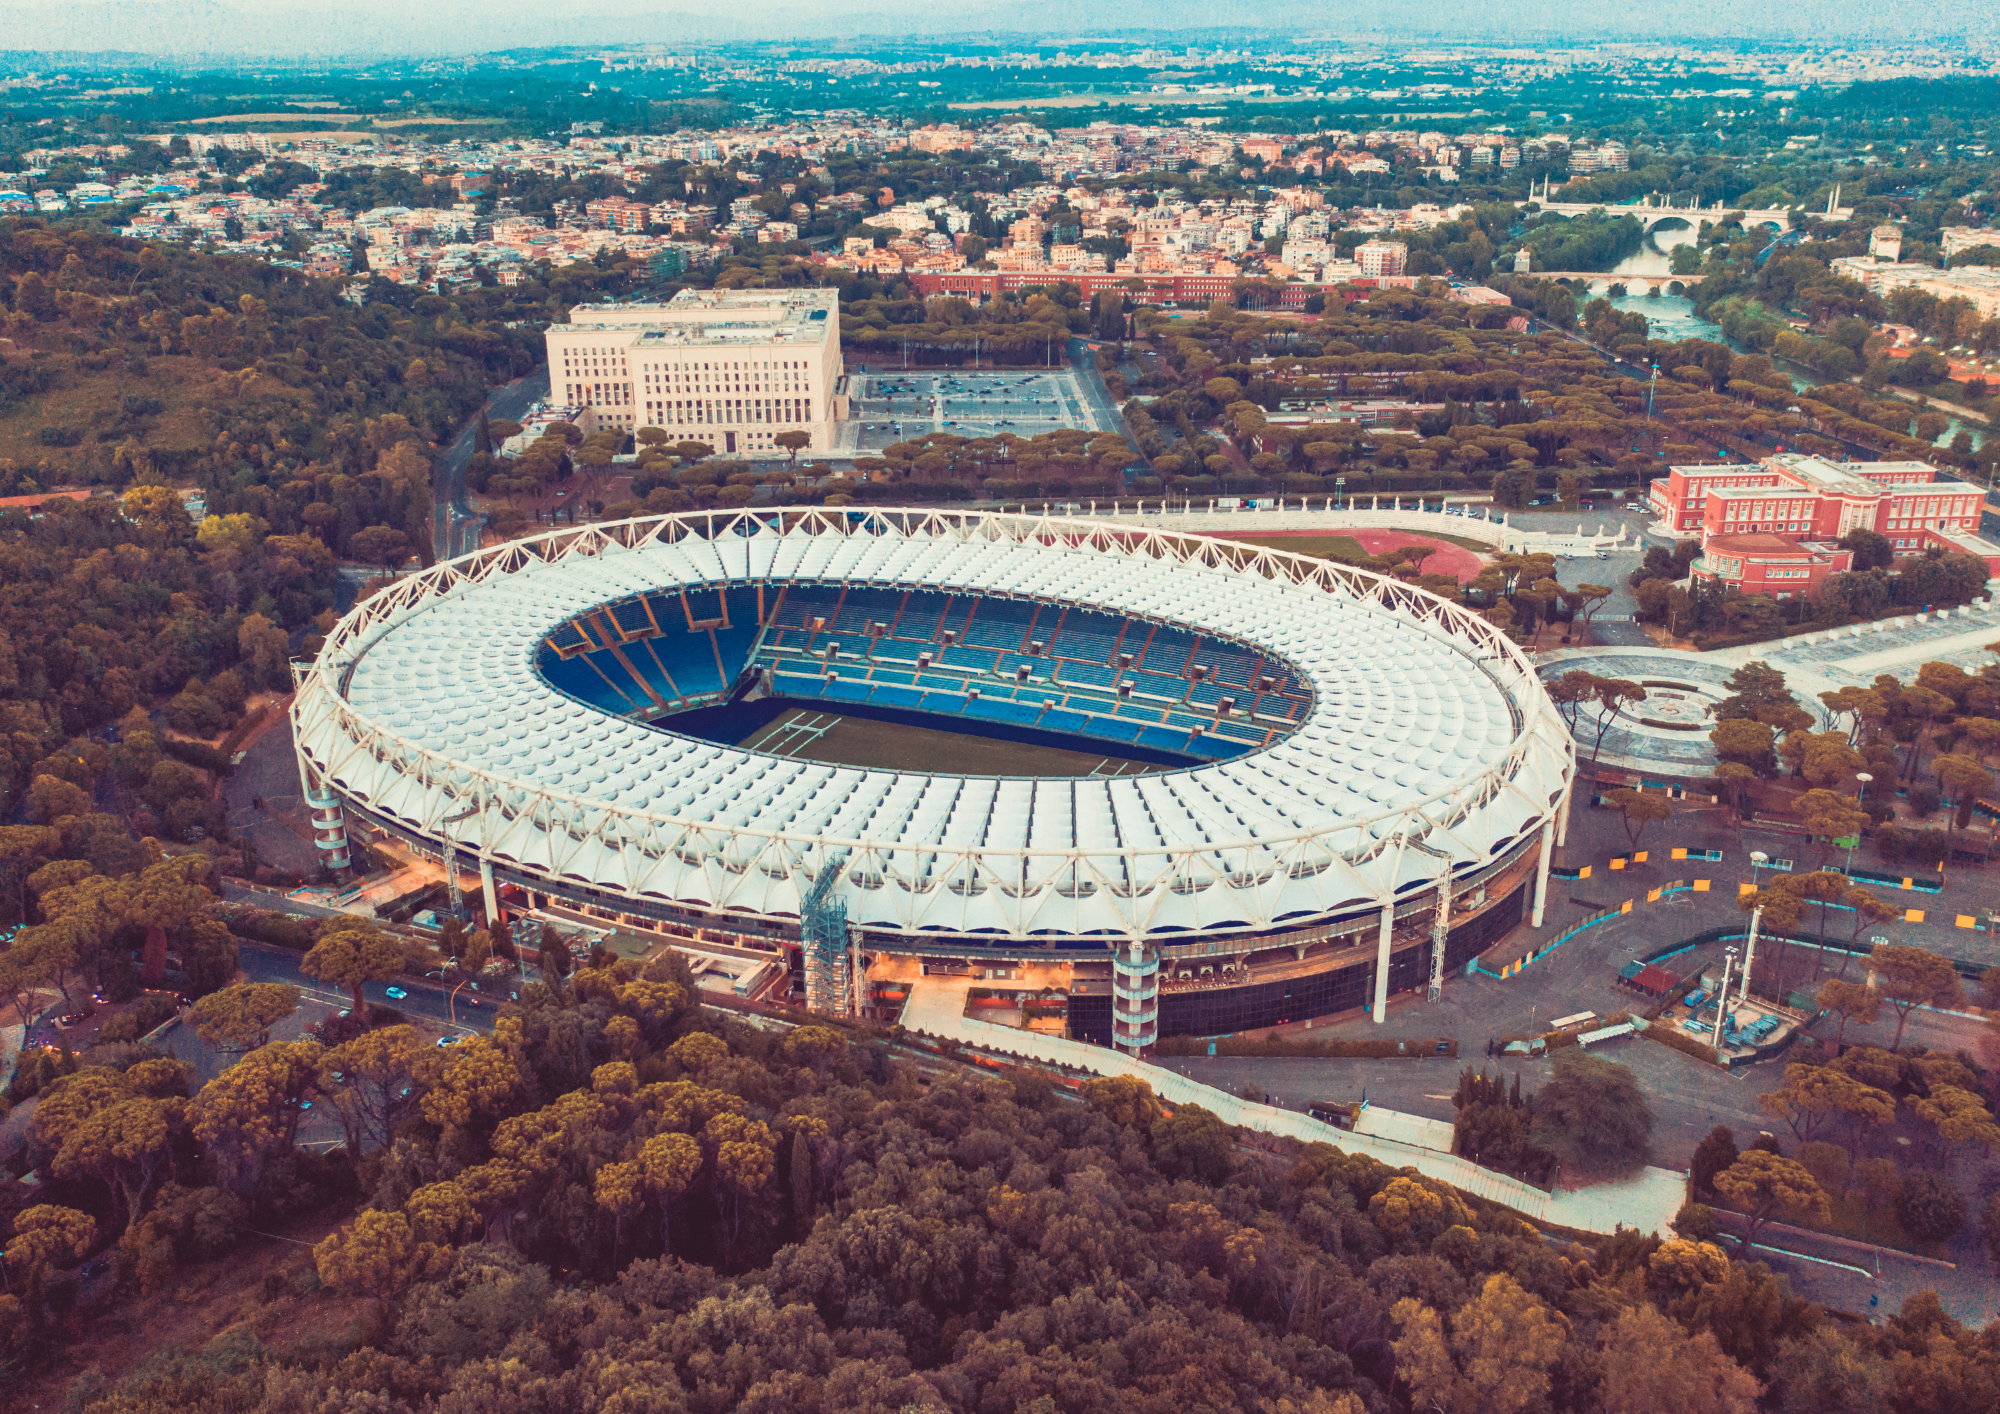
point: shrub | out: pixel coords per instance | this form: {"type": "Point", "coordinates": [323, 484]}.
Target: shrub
{"type": "Point", "coordinates": [1922, 799]}
{"type": "Point", "coordinates": [198, 754]}
{"type": "Point", "coordinates": [1695, 1222]}
{"type": "Point", "coordinates": [278, 930]}
{"type": "Point", "coordinates": [1929, 1209]}
{"type": "Point", "coordinates": [1681, 1041]}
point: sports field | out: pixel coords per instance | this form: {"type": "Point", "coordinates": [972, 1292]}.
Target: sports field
{"type": "Point", "coordinates": [1352, 547]}
{"type": "Point", "coordinates": [890, 405]}
{"type": "Point", "coordinates": [842, 740]}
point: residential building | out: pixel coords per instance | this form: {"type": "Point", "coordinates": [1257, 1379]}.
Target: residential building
{"type": "Point", "coordinates": [1977, 285]}
{"type": "Point", "coordinates": [1381, 258]}
{"type": "Point", "coordinates": [1954, 239]}
{"type": "Point", "coordinates": [733, 368]}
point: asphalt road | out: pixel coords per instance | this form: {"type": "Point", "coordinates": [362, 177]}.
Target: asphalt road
{"type": "Point", "coordinates": [429, 1001]}
{"type": "Point", "coordinates": [455, 528]}
{"type": "Point", "coordinates": [1108, 416]}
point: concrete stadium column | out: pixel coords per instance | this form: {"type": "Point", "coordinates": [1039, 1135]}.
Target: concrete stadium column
{"type": "Point", "coordinates": [1562, 814]}
{"type": "Point", "coordinates": [486, 888]}
{"type": "Point", "coordinates": [1542, 874]}
{"type": "Point", "coordinates": [1381, 1012]}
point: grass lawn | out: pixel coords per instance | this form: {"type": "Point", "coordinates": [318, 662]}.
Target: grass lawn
{"type": "Point", "coordinates": [840, 740]}
{"type": "Point", "coordinates": [1344, 548]}
{"type": "Point", "coordinates": [1464, 542]}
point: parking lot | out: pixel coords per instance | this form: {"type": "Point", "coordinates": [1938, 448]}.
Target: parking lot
{"type": "Point", "coordinates": [892, 406]}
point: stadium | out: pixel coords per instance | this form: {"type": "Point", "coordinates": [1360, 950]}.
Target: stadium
{"type": "Point", "coordinates": [1187, 786]}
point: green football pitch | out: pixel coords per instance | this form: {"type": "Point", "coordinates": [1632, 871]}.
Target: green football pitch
{"type": "Point", "coordinates": [808, 735]}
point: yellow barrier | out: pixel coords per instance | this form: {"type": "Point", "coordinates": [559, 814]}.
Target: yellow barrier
{"type": "Point", "coordinates": [1701, 886]}
{"type": "Point", "coordinates": [1913, 915]}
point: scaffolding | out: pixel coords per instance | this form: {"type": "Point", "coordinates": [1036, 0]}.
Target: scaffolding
{"type": "Point", "coordinates": [829, 960]}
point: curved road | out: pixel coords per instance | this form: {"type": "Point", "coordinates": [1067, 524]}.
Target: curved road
{"type": "Point", "coordinates": [454, 525]}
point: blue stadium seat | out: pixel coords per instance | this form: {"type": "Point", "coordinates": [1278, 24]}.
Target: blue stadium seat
{"type": "Point", "coordinates": [704, 603]}
{"type": "Point", "coordinates": [650, 670]}
{"type": "Point", "coordinates": [690, 658]}
{"type": "Point", "coordinates": [733, 646]}
{"type": "Point", "coordinates": [579, 679]}
{"type": "Point", "coordinates": [568, 637]}
{"type": "Point", "coordinates": [631, 616]}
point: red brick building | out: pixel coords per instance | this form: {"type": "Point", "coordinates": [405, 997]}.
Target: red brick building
{"type": "Point", "coordinates": [1773, 526]}
{"type": "Point", "coordinates": [1770, 564]}
{"type": "Point", "coordinates": [979, 286]}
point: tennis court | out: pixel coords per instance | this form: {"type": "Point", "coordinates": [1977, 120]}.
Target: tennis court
{"type": "Point", "coordinates": [889, 407]}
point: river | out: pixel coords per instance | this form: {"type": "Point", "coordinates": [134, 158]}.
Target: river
{"type": "Point", "coordinates": [1673, 316]}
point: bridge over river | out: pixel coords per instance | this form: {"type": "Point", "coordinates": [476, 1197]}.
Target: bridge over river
{"type": "Point", "coordinates": [1595, 280]}
{"type": "Point", "coordinates": [1657, 211]}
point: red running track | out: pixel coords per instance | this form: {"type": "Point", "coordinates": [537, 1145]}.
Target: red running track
{"type": "Point", "coordinates": [1455, 560]}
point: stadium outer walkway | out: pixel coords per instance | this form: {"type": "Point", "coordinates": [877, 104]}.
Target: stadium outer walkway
{"type": "Point", "coordinates": [1648, 1202]}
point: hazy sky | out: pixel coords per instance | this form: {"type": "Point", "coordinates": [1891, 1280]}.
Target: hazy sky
{"type": "Point", "coordinates": [292, 27]}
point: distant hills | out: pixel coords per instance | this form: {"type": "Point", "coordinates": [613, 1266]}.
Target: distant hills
{"type": "Point", "coordinates": [194, 29]}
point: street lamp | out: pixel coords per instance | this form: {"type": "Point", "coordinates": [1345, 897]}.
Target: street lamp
{"type": "Point", "coordinates": [1750, 955]}
{"type": "Point", "coordinates": [1861, 782]}
{"type": "Point", "coordinates": [1758, 859]}
{"type": "Point", "coordinates": [1722, 996]}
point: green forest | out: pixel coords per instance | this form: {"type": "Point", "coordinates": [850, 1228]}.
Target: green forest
{"type": "Point", "coordinates": [619, 1201]}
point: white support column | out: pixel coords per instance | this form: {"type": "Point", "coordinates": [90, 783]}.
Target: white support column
{"type": "Point", "coordinates": [1440, 935]}
{"type": "Point", "coordinates": [1542, 874]}
{"type": "Point", "coordinates": [1382, 962]}
{"type": "Point", "coordinates": [1562, 814]}
{"type": "Point", "coordinates": [491, 894]}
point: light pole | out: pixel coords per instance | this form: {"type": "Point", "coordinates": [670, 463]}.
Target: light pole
{"type": "Point", "coordinates": [1861, 783]}
{"type": "Point", "coordinates": [1758, 859]}
{"type": "Point", "coordinates": [1722, 996]}
{"type": "Point", "coordinates": [1750, 955]}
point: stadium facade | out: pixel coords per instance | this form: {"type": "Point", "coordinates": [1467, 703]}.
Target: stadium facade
{"type": "Point", "coordinates": [1359, 786]}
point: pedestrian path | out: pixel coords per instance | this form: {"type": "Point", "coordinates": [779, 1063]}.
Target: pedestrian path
{"type": "Point", "coordinates": [1647, 1201]}
{"type": "Point", "coordinates": [1859, 652]}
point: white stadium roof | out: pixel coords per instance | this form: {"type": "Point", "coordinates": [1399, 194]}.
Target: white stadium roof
{"type": "Point", "coordinates": [1430, 743]}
